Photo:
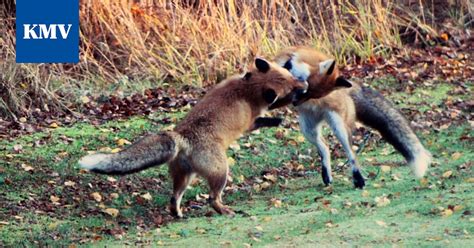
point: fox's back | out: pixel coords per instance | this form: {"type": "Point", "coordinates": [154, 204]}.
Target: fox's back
{"type": "Point", "coordinates": [221, 116]}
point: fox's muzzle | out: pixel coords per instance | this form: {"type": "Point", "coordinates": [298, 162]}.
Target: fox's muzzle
{"type": "Point", "coordinates": [299, 94]}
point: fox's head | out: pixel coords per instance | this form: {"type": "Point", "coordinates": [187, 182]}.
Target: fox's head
{"type": "Point", "coordinates": [318, 69]}
{"type": "Point", "coordinates": [274, 84]}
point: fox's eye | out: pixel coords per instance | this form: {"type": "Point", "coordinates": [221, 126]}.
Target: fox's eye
{"type": "Point", "coordinates": [288, 65]}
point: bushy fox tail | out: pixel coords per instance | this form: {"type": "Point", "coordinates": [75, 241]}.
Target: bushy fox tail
{"type": "Point", "coordinates": [373, 110]}
{"type": "Point", "coordinates": [151, 150]}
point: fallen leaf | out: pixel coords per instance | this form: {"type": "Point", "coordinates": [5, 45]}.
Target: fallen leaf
{"type": "Point", "coordinates": [447, 174]}
{"type": "Point", "coordinates": [381, 223]}
{"type": "Point", "coordinates": [115, 150]}
{"type": "Point", "coordinates": [267, 219]}
{"type": "Point", "coordinates": [17, 148]}
{"type": "Point", "coordinates": [26, 167]}
{"type": "Point", "coordinates": [382, 201]}
{"type": "Point", "coordinates": [275, 202]}
{"type": "Point", "coordinates": [385, 168]}
{"type": "Point", "coordinates": [54, 198]}
{"type": "Point", "coordinates": [300, 139]}
{"type": "Point", "coordinates": [424, 182]}
{"type": "Point", "coordinates": [54, 125]}
{"type": "Point", "coordinates": [230, 161]}
{"type": "Point", "coordinates": [365, 193]}
{"type": "Point", "coordinates": [114, 195]}
{"type": "Point", "coordinates": [435, 238]}
{"type": "Point", "coordinates": [458, 208]}
{"type": "Point", "coordinates": [22, 119]}
{"type": "Point", "coordinates": [444, 36]}
{"type": "Point", "coordinates": [122, 142]}
{"type": "Point", "coordinates": [69, 183]}
{"type": "Point", "coordinates": [270, 177]}
{"type": "Point", "coordinates": [265, 185]}
{"type": "Point", "coordinates": [235, 146]}
{"type": "Point", "coordinates": [53, 225]}
{"type": "Point", "coordinates": [456, 155]}
{"type": "Point", "coordinates": [97, 197]}
{"type": "Point", "coordinates": [377, 185]}
{"type": "Point", "coordinates": [147, 196]}
{"type": "Point", "coordinates": [470, 180]}
{"type": "Point", "coordinates": [329, 224]}
{"type": "Point", "coordinates": [111, 179]}
{"type": "Point", "coordinates": [447, 212]}
{"type": "Point", "coordinates": [112, 212]}
{"type": "Point", "coordinates": [85, 99]}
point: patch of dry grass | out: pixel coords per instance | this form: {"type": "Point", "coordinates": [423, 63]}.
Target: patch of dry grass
{"type": "Point", "coordinates": [194, 42]}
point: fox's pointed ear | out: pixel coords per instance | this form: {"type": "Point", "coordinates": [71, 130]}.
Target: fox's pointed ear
{"type": "Point", "coordinates": [327, 67]}
{"type": "Point", "coordinates": [270, 96]}
{"type": "Point", "coordinates": [342, 82]}
{"type": "Point", "coordinates": [262, 65]}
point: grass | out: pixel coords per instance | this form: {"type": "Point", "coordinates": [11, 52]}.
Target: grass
{"type": "Point", "coordinates": [297, 210]}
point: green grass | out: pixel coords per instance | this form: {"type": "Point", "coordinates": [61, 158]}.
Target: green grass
{"type": "Point", "coordinates": [306, 213]}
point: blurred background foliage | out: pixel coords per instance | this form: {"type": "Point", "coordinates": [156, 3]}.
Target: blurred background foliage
{"type": "Point", "coordinates": [148, 43]}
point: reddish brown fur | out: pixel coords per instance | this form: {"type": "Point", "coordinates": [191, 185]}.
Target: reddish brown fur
{"type": "Point", "coordinates": [221, 117]}
{"type": "Point", "coordinates": [198, 144]}
{"type": "Point", "coordinates": [319, 85]}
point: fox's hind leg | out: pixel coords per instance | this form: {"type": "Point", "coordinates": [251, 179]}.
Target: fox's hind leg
{"type": "Point", "coordinates": [182, 175]}
{"type": "Point", "coordinates": [344, 135]}
{"type": "Point", "coordinates": [216, 185]}
{"type": "Point", "coordinates": [212, 165]}
{"type": "Point", "coordinates": [311, 125]}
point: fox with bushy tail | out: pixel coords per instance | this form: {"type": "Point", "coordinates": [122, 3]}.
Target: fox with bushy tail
{"type": "Point", "coordinates": [342, 108]}
{"type": "Point", "coordinates": [199, 142]}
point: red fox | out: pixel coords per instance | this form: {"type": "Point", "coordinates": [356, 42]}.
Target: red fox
{"type": "Point", "coordinates": [342, 108]}
{"type": "Point", "coordinates": [199, 142]}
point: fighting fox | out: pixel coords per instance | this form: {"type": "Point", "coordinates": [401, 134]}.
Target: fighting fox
{"type": "Point", "coordinates": [341, 108]}
{"type": "Point", "coordinates": [199, 142]}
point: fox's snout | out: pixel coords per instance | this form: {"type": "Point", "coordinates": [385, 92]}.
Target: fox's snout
{"type": "Point", "coordinates": [299, 93]}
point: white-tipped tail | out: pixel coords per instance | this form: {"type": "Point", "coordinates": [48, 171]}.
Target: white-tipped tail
{"type": "Point", "coordinates": [421, 162]}
{"type": "Point", "coordinates": [94, 161]}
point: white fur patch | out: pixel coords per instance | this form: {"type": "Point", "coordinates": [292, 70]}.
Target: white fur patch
{"type": "Point", "coordinates": [93, 161]}
{"type": "Point", "coordinates": [300, 70]}
{"type": "Point", "coordinates": [324, 66]}
{"type": "Point", "coordinates": [421, 162]}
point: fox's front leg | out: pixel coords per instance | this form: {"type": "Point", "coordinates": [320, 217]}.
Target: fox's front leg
{"type": "Point", "coordinates": [266, 122]}
{"type": "Point", "coordinates": [311, 124]}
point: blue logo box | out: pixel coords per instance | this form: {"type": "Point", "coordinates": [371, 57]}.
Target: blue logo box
{"type": "Point", "coordinates": [47, 31]}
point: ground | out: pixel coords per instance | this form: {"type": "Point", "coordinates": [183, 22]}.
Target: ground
{"type": "Point", "coordinates": [276, 186]}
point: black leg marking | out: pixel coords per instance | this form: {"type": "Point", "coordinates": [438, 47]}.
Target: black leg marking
{"type": "Point", "coordinates": [173, 209]}
{"type": "Point", "coordinates": [359, 181]}
{"type": "Point", "coordinates": [326, 176]}
{"type": "Point", "coordinates": [267, 122]}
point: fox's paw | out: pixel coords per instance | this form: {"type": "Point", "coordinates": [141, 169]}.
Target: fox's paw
{"type": "Point", "coordinates": [227, 211]}
{"type": "Point", "coordinates": [327, 179]}
{"type": "Point", "coordinates": [175, 210]}
{"type": "Point", "coordinates": [224, 210]}
{"type": "Point", "coordinates": [176, 213]}
{"type": "Point", "coordinates": [358, 179]}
